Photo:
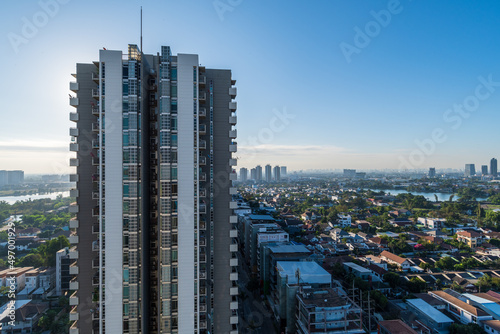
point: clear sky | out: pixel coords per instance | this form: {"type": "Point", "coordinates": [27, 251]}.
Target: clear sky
{"type": "Point", "coordinates": [321, 84]}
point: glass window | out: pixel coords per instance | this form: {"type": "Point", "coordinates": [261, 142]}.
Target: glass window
{"type": "Point", "coordinates": [173, 91]}
{"type": "Point", "coordinates": [174, 140]}
{"type": "Point", "coordinates": [125, 275]}
{"type": "Point", "coordinates": [173, 74]}
{"type": "Point", "coordinates": [126, 291]}
{"type": "Point", "coordinates": [174, 172]}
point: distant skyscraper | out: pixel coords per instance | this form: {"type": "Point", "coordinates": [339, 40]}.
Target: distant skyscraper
{"type": "Point", "coordinates": [349, 173]}
{"type": "Point", "coordinates": [493, 167]}
{"type": "Point", "coordinates": [154, 226]}
{"type": "Point", "coordinates": [243, 174]}
{"type": "Point", "coordinates": [283, 171]}
{"type": "Point", "coordinates": [432, 172]}
{"type": "Point", "coordinates": [276, 173]}
{"type": "Point", "coordinates": [484, 170]}
{"type": "Point", "coordinates": [269, 176]}
{"type": "Point", "coordinates": [253, 174]}
{"type": "Point", "coordinates": [470, 170]}
{"type": "Point", "coordinates": [258, 173]}
{"type": "Point", "coordinates": [11, 177]}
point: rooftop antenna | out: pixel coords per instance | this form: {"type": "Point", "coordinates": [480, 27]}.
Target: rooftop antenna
{"type": "Point", "coordinates": [141, 29]}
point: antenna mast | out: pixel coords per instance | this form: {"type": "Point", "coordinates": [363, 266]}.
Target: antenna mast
{"type": "Point", "coordinates": [141, 29]}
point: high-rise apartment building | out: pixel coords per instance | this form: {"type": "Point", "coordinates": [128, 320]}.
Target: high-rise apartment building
{"type": "Point", "coordinates": [484, 170]}
{"type": "Point", "coordinates": [283, 171]}
{"type": "Point", "coordinates": [470, 170]}
{"type": "Point", "coordinates": [253, 174]}
{"type": "Point", "coordinates": [258, 173]}
{"type": "Point", "coordinates": [493, 167]}
{"type": "Point", "coordinates": [11, 177]}
{"type": "Point", "coordinates": [243, 174]}
{"type": "Point", "coordinates": [351, 173]}
{"type": "Point", "coordinates": [432, 172]}
{"type": "Point", "coordinates": [155, 231]}
{"type": "Point", "coordinates": [269, 175]}
{"type": "Point", "coordinates": [276, 173]}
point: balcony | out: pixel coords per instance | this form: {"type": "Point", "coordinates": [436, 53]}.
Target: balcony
{"type": "Point", "coordinates": [232, 120]}
{"type": "Point", "coordinates": [233, 320]}
{"type": "Point", "coordinates": [233, 162]}
{"type": "Point", "coordinates": [202, 80]}
{"type": "Point", "coordinates": [233, 247]}
{"type": "Point", "coordinates": [203, 161]}
{"type": "Point", "coordinates": [233, 147]}
{"type": "Point", "coordinates": [203, 145]}
{"type": "Point", "coordinates": [74, 329]}
{"type": "Point", "coordinates": [233, 134]}
{"type": "Point", "coordinates": [95, 127]}
{"type": "Point", "coordinates": [74, 208]}
{"type": "Point", "coordinates": [232, 106]}
{"type": "Point", "coordinates": [73, 254]}
{"type": "Point", "coordinates": [95, 93]}
{"type": "Point", "coordinates": [74, 147]}
{"type": "Point", "coordinates": [73, 116]}
{"type": "Point", "coordinates": [73, 270]}
{"type": "Point", "coordinates": [233, 205]}
{"type": "Point", "coordinates": [203, 274]}
{"type": "Point", "coordinates": [73, 299]}
{"type": "Point", "coordinates": [73, 314]}
{"type": "Point", "coordinates": [73, 239]}
{"type": "Point", "coordinates": [203, 192]}
{"type": "Point", "coordinates": [74, 162]}
{"type": "Point", "coordinates": [203, 225]}
{"type": "Point", "coordinates": [95, 110]}
{"type": "Point", "coordinates": [73, 193]}
{"type": "Point", "coordinates": [233, 262]}
{"type": "Point", "coordinates": [203, 209]}
{"type": "Point", "coordinates": [95, 143]}
{"type": "Point", "coordinates": [232, 92]}
{"type": "Point", "coordinates": [202, 112]}
{"type": "Point", "coordinates": [73, 223]}
{"type": "Point", "coordinates": [233, 176]}
{"type": "Point", "coordinates": [233, 276]}
{"type": "Point", "coordinates": [74, 177]}
{"type": "Point", "coordinates": [233, 219]}
{"type": "Point", "coordinates": [233, 82]}
{"type": "Point", "coordinates": [233, 291]}
{"type": "Point", "coordinates": [73, 132]}
{"type": "Point", "coordinates": [202, 96]}
{"type": "Point", "coordinates": [73, 86]}
{"type": "Point", "coordinates": [203, 129]}
{"type": "Point", "coordinates": [233, 191]}
{"type": "Point", "coordinates": [73, 285]}
{"type": "Point", "coordinates": [95, 77]}
{"type": "Point", "coordinates": [74, 101]}
{"type": "Point", "coordinates": [233, 233]}
{"type": "Point", "coordinates": [233, 305]}
{"type": "Point", "coordinates": [203, 177]}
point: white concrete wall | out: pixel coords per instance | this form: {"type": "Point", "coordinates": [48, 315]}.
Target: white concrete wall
{"type": "Point", "coordinates": [114, 190]}
{"type": "Point", "coordinates": [186, 198]}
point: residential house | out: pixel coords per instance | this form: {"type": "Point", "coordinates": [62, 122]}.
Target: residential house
{"type": "Point", "coordinates": [403, 264]}
{"type": "Point", "coordinates": [394, 327]}
{"type": "Point", "coordinates": [464, 312]}
{"type": "Point", "coordinates": [470, 237]}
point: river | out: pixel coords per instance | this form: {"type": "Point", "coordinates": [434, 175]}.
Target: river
{"type": "Point", "coordinates": [14, 199]}
{"type": "Point", "coordinates": [429, 196]}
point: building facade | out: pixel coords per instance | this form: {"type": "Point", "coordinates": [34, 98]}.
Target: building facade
{"type": "Point", "coordinates": [155, 230]}
{"type": "Point", "coordinates": [493, 167]}
{"type": "Point", "coordinates": [269, 176]}
{"type": "Point", "coordinates": [243, 174]}
{"type": "Point", "coordinates": [470, 170]}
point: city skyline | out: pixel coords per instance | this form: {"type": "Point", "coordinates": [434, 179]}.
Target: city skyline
{"type": "Point", "coordinates": [331, 94]}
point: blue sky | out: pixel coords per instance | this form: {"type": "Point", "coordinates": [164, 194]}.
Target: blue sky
{"type": "Point", "coordinates": [368, 110]}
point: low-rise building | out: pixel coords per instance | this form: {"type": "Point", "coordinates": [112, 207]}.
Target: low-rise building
{"type": "Point", "coordinates": [464, 312]}
{"type": "Point", "coordinates": [394, 327]}
{"type": "Point", "coordinates": [403, 264]}
{"type": "Point", "coordinates": [432, 222]}
{"type": "Point", "coordinates": [470, 237]}
{"type": "Point", "coordinates": [431, 317]}
{"type": "Point", "coordinates": [326, 311]}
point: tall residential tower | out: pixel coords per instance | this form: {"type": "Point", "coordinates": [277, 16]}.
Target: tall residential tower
{"type": "Point", "coordinates": [155, 231]}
